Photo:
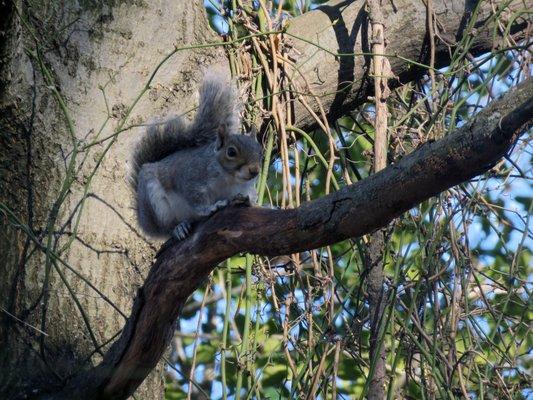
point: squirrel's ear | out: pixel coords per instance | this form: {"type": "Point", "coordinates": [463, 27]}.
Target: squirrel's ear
{"type": "Point", "coordinates": [222, 133]}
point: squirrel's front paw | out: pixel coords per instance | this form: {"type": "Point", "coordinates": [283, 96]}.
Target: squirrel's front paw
{"type": "Point", "coordinates": [182, 230]}
{"type": "Point", "coordinates": [219, 205]}
{"type": "Point", "coordinates": [241, 199]}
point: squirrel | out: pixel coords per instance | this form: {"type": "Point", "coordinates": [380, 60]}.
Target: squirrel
{"type": "Point", "coordinates": [184, 172]}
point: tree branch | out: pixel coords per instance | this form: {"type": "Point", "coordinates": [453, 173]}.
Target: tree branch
{"type": "Point", "coordinates": [333, 37]}
{"type": "Point", "coordinates": [352, 211]}
{"type": "Point", "coordinates": [374, 262]}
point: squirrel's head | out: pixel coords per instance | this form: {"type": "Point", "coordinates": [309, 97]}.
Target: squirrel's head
{"type": "Point", "coordinates": [239, 155]}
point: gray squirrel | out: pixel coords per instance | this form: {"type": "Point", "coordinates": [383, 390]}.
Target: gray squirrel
{"type": "Point", "coordinates": [184, 172]}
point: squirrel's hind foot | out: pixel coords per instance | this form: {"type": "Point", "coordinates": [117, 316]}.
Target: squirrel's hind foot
{"type": "Point", "coordinates": [182, 230]}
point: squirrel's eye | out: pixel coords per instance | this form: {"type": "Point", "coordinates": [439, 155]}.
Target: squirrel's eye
{"type": "Point", "coordinates": [231, 152]}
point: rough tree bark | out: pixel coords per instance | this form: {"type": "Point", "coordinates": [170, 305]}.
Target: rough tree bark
{"type": "Point", "coordinates": [118, 46]}
{"type": "Point", "coordinates": [84, 47]}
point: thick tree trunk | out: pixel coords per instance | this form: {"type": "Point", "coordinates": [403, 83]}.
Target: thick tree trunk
{"type": "Point", "coordinates": [83, 48]}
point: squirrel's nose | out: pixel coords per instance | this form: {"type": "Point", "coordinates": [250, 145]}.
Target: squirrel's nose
{"type": "Point", "coordinates": [254, 170]}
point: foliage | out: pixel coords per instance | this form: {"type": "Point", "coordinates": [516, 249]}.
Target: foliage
{"type": "Point", "coordinates": [456, 319]}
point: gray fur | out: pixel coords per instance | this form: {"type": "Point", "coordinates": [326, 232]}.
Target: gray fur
{"type": "Point", "coordinates": [217, 108]}
{"type": "Point", "coordinates": [185, 173]}
{"type": "Point", "coordinates": [162, 138]}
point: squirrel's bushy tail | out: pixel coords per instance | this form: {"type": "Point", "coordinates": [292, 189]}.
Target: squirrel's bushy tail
{"type": "Point", "coordinates": [216, 108]}
{"type": "Point", "coordinates": [160, 140]}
